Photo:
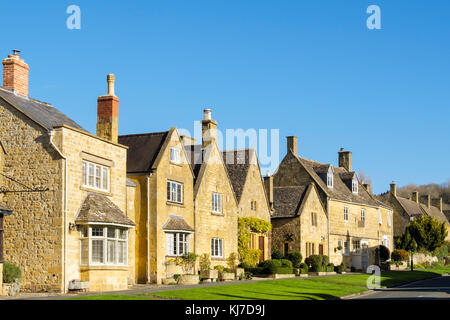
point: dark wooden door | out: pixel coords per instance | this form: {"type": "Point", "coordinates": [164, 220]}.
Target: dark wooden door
{"type": "Point", "coordinates": [261, 248]}
{"type": "Point", "coordinates": [320, 248]}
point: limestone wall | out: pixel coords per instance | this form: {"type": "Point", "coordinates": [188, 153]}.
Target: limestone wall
{"type": "Point", "coordinates": [33, 233]}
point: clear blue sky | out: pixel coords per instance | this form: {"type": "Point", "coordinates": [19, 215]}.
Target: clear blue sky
{"type": "Point", "coordinates": [307, 68]}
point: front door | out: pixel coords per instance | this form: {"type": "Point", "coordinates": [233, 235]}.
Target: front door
{"type": "Point", "coordinates": [261, 248]}
{"type": "Point", "coordinates": [320, 248]}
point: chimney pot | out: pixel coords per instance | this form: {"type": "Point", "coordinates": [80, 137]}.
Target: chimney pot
{"type": "Point", "coordinates": [209, 128]}
{"type": "Point", "coordinates": [110, 78]}
{"type": "Point", "coordinates": [207, 114]}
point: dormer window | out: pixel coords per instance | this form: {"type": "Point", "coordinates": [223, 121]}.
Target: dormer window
{"type": "Point", "coordinates": [330, 178]}
{"type": "Point", "coordinates": [355, 185]}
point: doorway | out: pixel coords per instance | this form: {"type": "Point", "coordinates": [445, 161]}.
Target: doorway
{"type": "Point", "coordinates": [261, 248]}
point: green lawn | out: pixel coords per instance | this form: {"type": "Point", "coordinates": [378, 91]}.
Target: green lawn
{"type": "Point", "coordinates": [320, 288]}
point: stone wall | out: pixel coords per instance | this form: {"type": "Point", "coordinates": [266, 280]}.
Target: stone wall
{"type": "Point", "coordinates": [33, 234]}
{"type": "Point", "coordinates": [208, 225]}
{"type": "Point", "coordinates": [282, 228]}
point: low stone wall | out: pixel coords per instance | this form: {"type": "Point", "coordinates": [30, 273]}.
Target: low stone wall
{"type": "Point", "coordinates": [105, 279]}
{"type": "Point", "coordinates": [420, 258]}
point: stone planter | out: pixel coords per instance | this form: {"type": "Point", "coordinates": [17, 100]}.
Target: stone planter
{"type": "Point", "coordinates": [11, 289]}
{"type": "Point", "coordinates": [209, 274]}
{"type": "Point", "coordinates": [187, 279]}
{"type": "Point", "coordinates": [239, 272]}
{"type": "Point", "coordinates": [227, 276]}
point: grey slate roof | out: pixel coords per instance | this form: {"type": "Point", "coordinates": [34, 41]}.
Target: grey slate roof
{"type": "Point", "coordinates": [238, 163]}
{"type": "Point", "coordinates": [412, 208]}
{"type": "Point", "coordinates": [435, 213]}
{"type": "Point", "coordinates": [143, 150]}
{"type": "Point", "coordinates": [177, 223]}
{"type": "Point", "coordinates": [99, 208]}
{"type": "Point", "coordinates": [287, 201]}
{"type": "Point", "coordinates": [341, 190]}
{"type": "Point", "coordinates": [43, 113]}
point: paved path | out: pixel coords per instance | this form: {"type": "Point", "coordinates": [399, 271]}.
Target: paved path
{"type": "Point", "coordinates": [431, 289]}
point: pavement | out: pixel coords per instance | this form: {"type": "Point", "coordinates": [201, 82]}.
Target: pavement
{"type": "Point", "coordinates": [430, 289]}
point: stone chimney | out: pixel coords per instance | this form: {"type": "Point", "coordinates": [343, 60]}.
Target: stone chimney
{"type": "Point", "coordinates": [368, 187]}
{"type": "Point", "coordinates": [15, 74]}
{"type": "Point", "coordinates": [292, 144]}
{"type": "Point", "coordinates": [108, 113]}
{"type": "Point", "coordinates": [394, 189]}
{"type": "Point", "coordinates": [345, 159]}
{"type": "Point", "coordinates": [268, 185]}
{"type": "Point", "coordinates": [437, 203]}
{"type": "Point", "coordinates": [415, 196]}
{"type": "Point", "coordinates": [425, 200]}
{"type": "Point", "coordinates": [209, 128]}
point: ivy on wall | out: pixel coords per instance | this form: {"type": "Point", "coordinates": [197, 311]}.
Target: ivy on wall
{"type": "Point", "coordinates": [245, 227]}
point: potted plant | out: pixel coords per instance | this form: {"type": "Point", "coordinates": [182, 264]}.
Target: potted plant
{"type": "Point", "coordinates": [206, 273]}
{"type": "Point", "coordinates": [187, 262]}
{"type": "Point", "coordinates": [11, 279]}
{"type": "Point", "coordinates": [232, 265]}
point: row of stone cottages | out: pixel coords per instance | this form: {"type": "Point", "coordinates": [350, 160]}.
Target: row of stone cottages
{"type": "Point", "coordinates": [115, 210]}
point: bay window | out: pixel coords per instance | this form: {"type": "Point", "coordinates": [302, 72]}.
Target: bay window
{"type": "Point", "coordinates": [103, 245]}
{"type": "Point", "coordinates": [177, 244]}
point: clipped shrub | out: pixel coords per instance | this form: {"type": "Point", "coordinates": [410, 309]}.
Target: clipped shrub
{"type": "Point", "coordinates": [383, 253]}
{"type": "Point", "coordinates": [277, 254]}
{"type": "Point", "coordinates": [330, 267]}
{"type": "Point", "coordinates": [399, 255]}
{"type": "Point", "coordinates": [284, 270]}
{"type": "Point", "coordinates": [296, 259]}
{"type": "Point", "coordinates": [303, 268]}
{"type": "Point", "coordinates": [314, 260]}
{"type": "Point", "coordinates": [325, 260]}
{"type": "Point", "coordinates": [285, 263]}
{"type": "Point", "coordinates": [270, 266]}
{"type": "Point", "coordinates": [244, 265]}
{"type": "Point", "coordinates": [340, 268]}
{"type": "Point", "coordinates": [11, 272]}
{"type": "Point", "coordinates": [176, 276]}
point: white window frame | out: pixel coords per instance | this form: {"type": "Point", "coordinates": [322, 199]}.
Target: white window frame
{"type": "Point", "coordinates": [346, 213]}
{"type": "Point", "coordinates": [175, 241]}
{"type": "Point", "coordinates": [346, 248]}
{"type": "Point", "coordinates": [87, 238]}
{"type": "Point", "coordinates": [217, 203]}
{"type": "Point", "coordinates": [356, 246]}
{"type": "Point", "coordinates": [355, 185]}
{"type": "Point", "coordinates": [217, 246]}
{"type": "Point", "coordinates": [330, 180]}
{"type": "Point", "coordinates": [92, 172]}
{"type": "Point", "coordinates": [175, 155]}
{"type": "Point", "coordinates": [174, 191]}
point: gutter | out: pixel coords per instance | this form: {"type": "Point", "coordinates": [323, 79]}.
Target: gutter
{"type": "Point", "coordinates": [51, 134]}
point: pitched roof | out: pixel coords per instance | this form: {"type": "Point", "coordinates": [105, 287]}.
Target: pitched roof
{"type": "Point", "coordinates": [238, 163]}
{"type": "Point", "coordinates": [143, 150]}
{"type": "Point", "coordinates": [40, 112]}
{"type": "Point", "coordinates": [341, 189]}
{"type": "Point", "coordinates": [99, 208]}
{"type": "Point", "coordinates": [287, 201]}
{"type": "Point", "coordinates": [411, 208]}
{"type": "Point", "coordinates": [177, 223]}
{"type": "Point", "coordinates": [194, 154]}
{"type": "Point", "coordinates": [435, 213]}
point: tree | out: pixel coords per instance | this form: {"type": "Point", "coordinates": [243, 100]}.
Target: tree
{"type": "Point", "coordinates": [427, 232]}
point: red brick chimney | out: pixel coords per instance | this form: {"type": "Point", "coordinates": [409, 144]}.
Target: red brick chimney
{"type": "Point", "coordinates": [108, 113]}
{"type": "Point", "coordinates": [15, 74]}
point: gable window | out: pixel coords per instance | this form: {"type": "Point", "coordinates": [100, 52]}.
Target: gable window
{"type": "Point", "coordinates": [354, 185]}
{"type": "Point", "coordinates": [216, 203]}
{"type": "Point", "coordinates": [389, 218]}
{"type": "Point", "coordinates": [217, 248]}
{"type": "Point", "coordinates": [346, 214]}
{"type": "Point", "coordinates": [177, 244]}
{"type": "Point", "coordinates": [174, 192]}
{"type": "Point", "coordinates": [175, 155]}
{"type": "Point", "coordinates": [103, 245]}
{"type": "Point", "coordinates": [330, 178]}
{"type": "Point", "coordinates": [313, 219]}
{"type": "Point", "coordinates": [95, 176]}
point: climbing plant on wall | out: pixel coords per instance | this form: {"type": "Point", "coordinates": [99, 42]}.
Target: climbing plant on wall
{"type": "Point", "coordinates": [245, 227]}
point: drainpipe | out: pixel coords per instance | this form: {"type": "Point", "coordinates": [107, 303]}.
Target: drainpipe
{"type": "Point", "coordinates": [51, 135]}
{"type": "Point", "coordinates": [148, 227]}
{"type": "Point", "coordinates": [328, 225]}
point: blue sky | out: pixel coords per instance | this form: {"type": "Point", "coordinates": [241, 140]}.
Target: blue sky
{"type": "Point", "coordinates": [307, 68]}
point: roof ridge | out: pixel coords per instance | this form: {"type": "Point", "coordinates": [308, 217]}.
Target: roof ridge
{"type": "Point", "coordinates": [144, 134]}
{"type": "Point", "coordinates": [26, 98]}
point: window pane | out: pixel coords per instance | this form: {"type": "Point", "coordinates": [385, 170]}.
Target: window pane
{"type": "Point", "coordinates": [91, 175]}
{"type": "Point", "coordinates": [111, 233]}
{"type": "Point", "coordinates": [168, 191]}
{"type": "Point", "coordinates": [112, 251]}
{"type": "Point", "coordinates": [84, 251]}
{"type": "Point", "coordinates": [97, 176]}
{"type": "Point", "coordinates": [84, 173]}
{"type": "Point", "coordinates": [123, 234]}
{"type": "Point", "coordinates": [97, 232]}
{"type": "Point", "coordinates": [105, 177]}
{"type": "Point", "coordinates": [97, 251]}
{"type": "Point", "coordinates": [179, 192]}
{"type": "Point", "coordinates": [122, 254]}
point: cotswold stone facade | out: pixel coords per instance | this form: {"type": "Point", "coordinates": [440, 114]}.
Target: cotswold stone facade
{"type": "Point", "coordinates": [159, 217]}
{"type": "Point", "coordinates": [50, 167]}
{"type": "Point", "coordinates": [354, 222]}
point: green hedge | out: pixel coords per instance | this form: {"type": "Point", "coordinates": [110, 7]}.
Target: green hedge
{"type": "Point", "coordinates": [303, 268]}
{"type": "Point", "coordinates": [11, 272]}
